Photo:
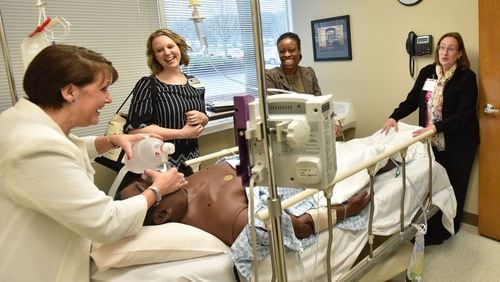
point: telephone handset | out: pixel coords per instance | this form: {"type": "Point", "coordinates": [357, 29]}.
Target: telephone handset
{"type": "Point", "coordinates": [410, 43]}
{"type": "Point", "coordinates": [417, 46]}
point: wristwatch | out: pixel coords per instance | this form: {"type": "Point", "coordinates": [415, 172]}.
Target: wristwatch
{"type": "Point", "coordinates": [157, 194]}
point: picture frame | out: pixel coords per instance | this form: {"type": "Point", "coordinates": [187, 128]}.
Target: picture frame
{"type": "Point", "coordinates": [331, 38]}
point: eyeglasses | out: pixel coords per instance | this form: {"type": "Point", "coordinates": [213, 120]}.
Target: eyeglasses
{"type": "Point", "coordinates": [448, 49]}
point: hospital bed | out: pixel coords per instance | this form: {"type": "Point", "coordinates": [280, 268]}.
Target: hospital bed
{"type": "Point", "coordinates": [394, 210]}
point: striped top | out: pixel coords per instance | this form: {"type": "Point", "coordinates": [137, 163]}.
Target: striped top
{"type": "Point", "coordinates": [167, 110]}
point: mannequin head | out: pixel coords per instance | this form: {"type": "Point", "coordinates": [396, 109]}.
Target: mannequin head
{"type": "Point", "coordinates": [172, 207]}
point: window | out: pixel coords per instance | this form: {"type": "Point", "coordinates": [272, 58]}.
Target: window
{"type": "Point", "coordinates": [116, 29]}
{"type": "Point", "coordinates": [119, 30]}
{"type": "Point", "coordinates": [226, 63]}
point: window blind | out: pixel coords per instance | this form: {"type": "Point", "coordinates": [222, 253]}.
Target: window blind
{"type": "Point", "coordinates": [226, 65]}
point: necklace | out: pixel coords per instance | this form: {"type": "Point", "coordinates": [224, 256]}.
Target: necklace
{"type": "Point", "coordinates": [173, 79]}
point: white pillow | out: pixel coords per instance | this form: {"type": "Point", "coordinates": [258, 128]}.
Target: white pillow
{"type": "Point", "coordinates": [159, 243]}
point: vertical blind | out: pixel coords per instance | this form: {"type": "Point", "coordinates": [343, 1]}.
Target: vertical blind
{"type": "Point", "coordinates": [119, 30]}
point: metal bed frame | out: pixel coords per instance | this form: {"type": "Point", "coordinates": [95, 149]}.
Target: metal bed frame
{"type": "Point", "coordinates": [394, 241]}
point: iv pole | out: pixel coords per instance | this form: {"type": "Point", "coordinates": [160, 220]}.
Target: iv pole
{"type": "Point", "coordinates": [6, 59]}
{"type": "Point", "coordinates": [274, 203]}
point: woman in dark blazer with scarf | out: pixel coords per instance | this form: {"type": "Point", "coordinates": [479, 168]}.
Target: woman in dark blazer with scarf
{"type": "Point", "coordinates": [445, 93]}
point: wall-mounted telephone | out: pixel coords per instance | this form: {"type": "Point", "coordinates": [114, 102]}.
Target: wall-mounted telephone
{"type": "Point", "coordinates": [417, 45]}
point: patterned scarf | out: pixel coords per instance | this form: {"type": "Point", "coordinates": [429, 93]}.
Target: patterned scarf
{"type": "Point", "coordinates": [435, 104]}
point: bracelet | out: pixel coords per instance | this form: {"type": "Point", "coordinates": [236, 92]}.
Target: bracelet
{"type": "Point", "coordinates": [111, 142]}
{"type": "Point", "coordinates": [156, 190]}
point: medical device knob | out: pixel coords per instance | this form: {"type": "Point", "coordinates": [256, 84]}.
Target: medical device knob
{"type": "Point", "coordinates": [298, 133]}
{"type": "Point", "coordinates": [167, 149]}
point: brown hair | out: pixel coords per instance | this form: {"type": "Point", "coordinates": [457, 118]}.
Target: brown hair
{"type": "Point", "coordinates": [463, 61]}
{"type": "Point", "coordinates": [59, 65]}
{"type": "Point", "coordinates": [153, 64]}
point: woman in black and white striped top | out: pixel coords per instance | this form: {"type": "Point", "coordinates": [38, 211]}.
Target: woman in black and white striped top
{"type": "Point", "coordinates": [169, 102]}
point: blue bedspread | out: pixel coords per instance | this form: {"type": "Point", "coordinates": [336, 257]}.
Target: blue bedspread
{"type": "Point", "coordinates": [241, 250]}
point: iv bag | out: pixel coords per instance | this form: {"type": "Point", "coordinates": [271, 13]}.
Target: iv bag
{"type": "Point", "coordinates": [416, 265]}
{"type": "Point", "coordinates": [32, 45]}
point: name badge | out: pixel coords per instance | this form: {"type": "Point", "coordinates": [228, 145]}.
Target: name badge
{"type": "Point", "coordinates": [195, 82]}
{"type": "Point", "coordinates": [430, 84]}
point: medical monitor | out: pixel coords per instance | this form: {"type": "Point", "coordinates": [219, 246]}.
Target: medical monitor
{"type": "Point", "coordinates": [301, 133]}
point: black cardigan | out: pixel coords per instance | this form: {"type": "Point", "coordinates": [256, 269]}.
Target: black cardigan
{"type": "Point", "coordinates": [460, 124]}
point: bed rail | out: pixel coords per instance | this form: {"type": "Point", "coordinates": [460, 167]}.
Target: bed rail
{"type": "Point", "coordinates": [369, 164]}
{"type": "Point", "coordinates": [264, 214]}
{"type": "Point", "coordinates": [195, 163]}
{"type": "Point", "coordinates": [362, 267]}
{"type": "Point", "coordinates": [406, 233]}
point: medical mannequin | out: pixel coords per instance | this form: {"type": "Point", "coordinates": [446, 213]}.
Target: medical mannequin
{"type": "Point", "coordinates": [215, 201]}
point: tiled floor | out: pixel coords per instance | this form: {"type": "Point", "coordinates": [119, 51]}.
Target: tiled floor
{"type": "Point", "coordinates": [467, 256]}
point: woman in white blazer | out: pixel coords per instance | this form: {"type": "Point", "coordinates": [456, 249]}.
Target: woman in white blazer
{"type": "Point", "coordinates": [50, 209]}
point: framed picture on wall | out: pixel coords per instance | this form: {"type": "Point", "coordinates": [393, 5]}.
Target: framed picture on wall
{"type": "Point", "coordinates": [331, 39]}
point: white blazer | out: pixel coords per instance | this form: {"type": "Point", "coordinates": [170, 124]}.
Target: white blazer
{"type": "Point", "coordinates": [50, 209]}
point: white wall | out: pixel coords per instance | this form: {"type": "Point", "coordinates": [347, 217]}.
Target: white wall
{"type": "Point", "coordinates": [377, 78]}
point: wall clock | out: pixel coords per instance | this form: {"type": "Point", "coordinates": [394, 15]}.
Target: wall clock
{"type": "Point", "coordinates": [409, 2]}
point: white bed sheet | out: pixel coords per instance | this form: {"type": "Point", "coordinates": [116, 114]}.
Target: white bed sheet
{"type": "Point", "coordinates": [356, 151]}
{"type": "Point", "coordinates": [346, 245]}
{"type": "Point", "coordinates": [386, 220]}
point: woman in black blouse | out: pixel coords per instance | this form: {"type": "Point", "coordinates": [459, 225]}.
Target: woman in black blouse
{"type": "Point", "coordinates": [445, 94]}
{"type": "Point", "coordinates": [169, 103]}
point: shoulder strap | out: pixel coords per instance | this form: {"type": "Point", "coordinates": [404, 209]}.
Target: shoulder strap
{"type": "Point", "coordinates": [123, 103]}
{"type": "Point", "coordinates": [126, 99]}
